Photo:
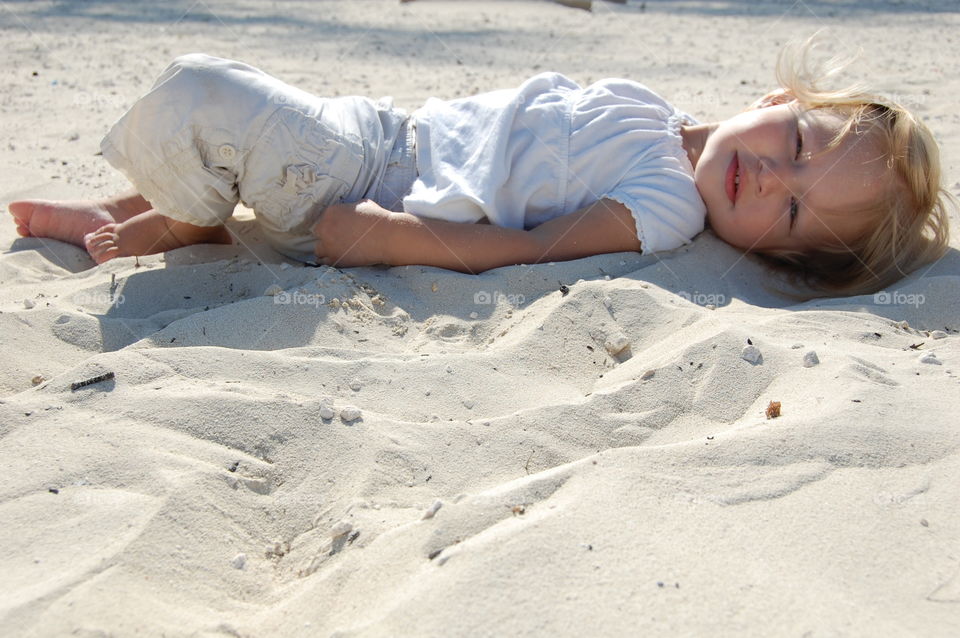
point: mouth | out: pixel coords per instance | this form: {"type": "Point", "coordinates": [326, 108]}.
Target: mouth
{"type": "Point", "coordinates": [733, 179]}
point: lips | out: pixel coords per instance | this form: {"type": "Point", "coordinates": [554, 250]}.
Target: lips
{"type": "Point", "coordinates": [733, 171]}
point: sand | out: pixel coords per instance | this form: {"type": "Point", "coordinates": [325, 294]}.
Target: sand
{"type": "Point", "coordinates": [501, 472]}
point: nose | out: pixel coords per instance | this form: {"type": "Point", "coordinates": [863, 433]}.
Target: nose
{"type": "Point", "coordinates": [772, 178]}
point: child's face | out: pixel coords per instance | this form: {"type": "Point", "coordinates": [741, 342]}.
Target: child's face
{"type": "Point", "coordinates": [787, 199]}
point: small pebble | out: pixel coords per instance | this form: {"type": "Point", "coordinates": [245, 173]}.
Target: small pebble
{"type": "Point", "coordinates": [648, 375]}
{"type": "Point", "coordinates": [796, 346]}
{"type": "Point", "coordinates": [468, 404]}
{"type": "Point", "coordinates": [272, 291]}
{"type": "Point", "coordinates": [474, 315]}
{"type": "Point", "coordinates": [350, 413]}
{"type": "Point", "coordinates": [751, 354]}
{"type": "Point", "coordinates": [930, 357]}
{"type": "Point", "coordinates": [437, 504]}
{"type": "Point", "coordinates": [340, 529]}
{"type": "Point", "coordinates": [355, 385]}
{"type": "Point", "coordinates": [434, 287]}
{"type": "Point", "coordinates": [28, 304]}
{"type": "Point", "coordinates": [284, 266]}
{"type": "Point", "coordinates": [37, 380]}
{"type": "Point", "coordinates": [810, 359]}
{"type": "Point", "coordinates": [710, 306]}
{"type": "Point", "coordinates": [608, 302]}
{"type": "Point", "coordinates": [326, 412]}
{"type": "Point", "coordinates": [938, 334]}
{"type": "Point", "coordinates": [616, 343]}
{"type": "Point", "coordinates": [239, 561]}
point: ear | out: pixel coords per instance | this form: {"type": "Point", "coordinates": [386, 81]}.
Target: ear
{"type": "Point", "coordinates": [773, 98]}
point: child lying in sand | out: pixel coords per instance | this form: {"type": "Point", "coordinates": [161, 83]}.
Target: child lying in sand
{"type": "Point", "coordinates": [842, 186]}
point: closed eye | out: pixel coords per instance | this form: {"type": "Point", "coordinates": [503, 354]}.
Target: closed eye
{"type": "Point", "coordinates": [794, 204]}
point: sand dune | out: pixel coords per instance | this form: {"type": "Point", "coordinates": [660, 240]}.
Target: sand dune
{"type": "Point", "coordinates": [508, 474]}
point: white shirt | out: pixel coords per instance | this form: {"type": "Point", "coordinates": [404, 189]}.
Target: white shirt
{"type": "Point", "coordinates": [548, 148]}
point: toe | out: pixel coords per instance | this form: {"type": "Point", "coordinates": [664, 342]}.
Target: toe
{"type": "Point", "coordinates": [21, 211]}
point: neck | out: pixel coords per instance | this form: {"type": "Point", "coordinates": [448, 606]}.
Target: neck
{"type": "Point", "coordinates": [694, 139]}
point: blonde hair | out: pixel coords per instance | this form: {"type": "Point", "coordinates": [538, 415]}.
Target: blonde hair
{"type": "Point", "coordinates": [910, 220]}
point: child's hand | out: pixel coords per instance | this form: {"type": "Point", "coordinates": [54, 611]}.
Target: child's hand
{"type": "Point", "coordinates": [352, 234]}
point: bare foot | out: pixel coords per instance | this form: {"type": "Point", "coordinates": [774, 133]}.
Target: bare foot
{"type": "Point", "coordinates": [67, 221]}
{"type": "Point", "coordinates": [103, 243]}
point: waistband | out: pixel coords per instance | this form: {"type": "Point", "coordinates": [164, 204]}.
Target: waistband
{"type": "Point", "coordinates": [401, 171]}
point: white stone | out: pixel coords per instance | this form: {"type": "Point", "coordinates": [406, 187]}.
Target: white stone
{"type": "Point", "coordinates": [474, 315]}
{"type": "Point", "coordinates": [272, 291]}
{"type": "Point", "coordinates": [468, 404]}
{"type": "Point", "coordinates": [710, 306]}
{"type": "Point", "coordinates": [350, 413]}
{"type": "Point", "coordinates": [284, 266]}
{"type": "Point", "coordinates": [930, 357]}
{"type": "Point", "coordinates": [239, 561]}
{"type": "Point", "coordinates": [341, 528]}
{"type": "Point", "coordinates": [608, 302]}
{"type": "Point", "coordinates": [938, 334]}
{"type": "Point", "coordinates": [810, 359]}
{"type": "Point", "coordinates": [751, 354]}
{"type": "Point", "coordinates": [28, 304]}
{"type": "Point", "coordinates": [355, 385]}
{"type": "Point", "coordinates": [616, 343]}
{"type": "Point", "coordinates": [326, 412]}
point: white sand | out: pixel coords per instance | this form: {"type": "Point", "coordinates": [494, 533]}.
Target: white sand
{"type": "Point", "coordinates": [199, 489]}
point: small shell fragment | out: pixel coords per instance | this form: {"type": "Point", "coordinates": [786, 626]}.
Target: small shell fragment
{"type": "Point", "coordinates": [773, 410]}
{"type": "Point", "coordinates": [272, 291]}
{"type": "Point", "coordinates": [430, 511]}
{"type": "Point", "coordinates": [434, 287]}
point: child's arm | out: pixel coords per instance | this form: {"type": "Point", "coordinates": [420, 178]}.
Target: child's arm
{"type": "Point", "coordinates": [364, 234]}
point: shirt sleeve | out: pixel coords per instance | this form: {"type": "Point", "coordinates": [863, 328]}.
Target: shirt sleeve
{"type": "Point", "coordinates": [665, 204]}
